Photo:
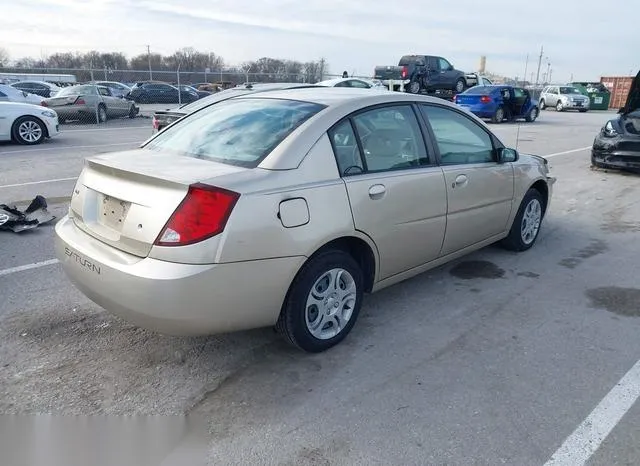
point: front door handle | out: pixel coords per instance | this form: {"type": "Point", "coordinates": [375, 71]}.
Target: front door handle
{"type": "Point", "coordinates": [377, 191]}
{"type": "Point", "coordinates": [461, 180]}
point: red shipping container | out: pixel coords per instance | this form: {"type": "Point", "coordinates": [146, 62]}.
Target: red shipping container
{"type": "Point", "coordinates": [619, 87]}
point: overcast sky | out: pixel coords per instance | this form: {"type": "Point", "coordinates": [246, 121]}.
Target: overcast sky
{"type": "Point", "coordinates": [585, 38]}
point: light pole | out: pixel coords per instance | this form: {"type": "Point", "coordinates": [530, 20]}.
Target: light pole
{"type": "Point", "coordinates": [149, 60]}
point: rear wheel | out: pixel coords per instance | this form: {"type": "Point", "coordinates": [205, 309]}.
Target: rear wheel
{"type": "Point", "coordinates": [559, 106]}
{"type": "Point", "coordinates": [28, 130]}
{"type": "Point", "coordinates": [323, 302]}
{"type": "Point", "coordinates": [101, 114]}
{"type": "Point", "coordinates": [460, 85]}
{"type": "Point", "coordinates": [526, 226]}
{"type": "Point", "coordinates": [532, 115]}
{"type": "Point", "coordinates": [414, 87]}
{"type": "Point", "coordinates": [498, 116]}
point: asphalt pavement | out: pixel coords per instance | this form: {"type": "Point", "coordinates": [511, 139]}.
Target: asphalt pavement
{"type": "Point", "coordinates": [496, 358]}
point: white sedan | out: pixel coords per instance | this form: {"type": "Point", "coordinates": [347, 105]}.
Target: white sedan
{"type": "Point", "coordinates": [27, 123]}
{"type": "Point", "coordinates": [11, 94]}
{"type": "Point", "coordinates": [348, 82]}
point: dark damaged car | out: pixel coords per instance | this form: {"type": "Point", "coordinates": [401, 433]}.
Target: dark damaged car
{"type": "Point", "coordinates": [618, 143]}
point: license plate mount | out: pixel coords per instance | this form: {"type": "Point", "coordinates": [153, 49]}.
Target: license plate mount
{"type": "Point", "coordinates": [113, 212]}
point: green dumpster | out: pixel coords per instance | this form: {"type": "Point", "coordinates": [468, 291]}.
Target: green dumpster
{"type": "Point", "coordinates": [598, 94]}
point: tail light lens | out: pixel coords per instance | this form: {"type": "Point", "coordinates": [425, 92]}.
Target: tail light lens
{"type": "Point", "coordinates": [79, 101]}
{"type": "Point", "coordinates": [44, 104]}
{"type": "Point", "coordinates": [203, 213]}
{"type": "Point", "coordinates": [485, 99]}
{"type": "Point", "coordinates": [405, 72]}
{"type": "Point", "coordinates": [155, 123]}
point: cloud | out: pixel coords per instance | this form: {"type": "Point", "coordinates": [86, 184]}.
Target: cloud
{"type": "Point", "coordinates": [355, 35]}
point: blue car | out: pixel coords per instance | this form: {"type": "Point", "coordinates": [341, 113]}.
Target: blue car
{"type": "Point", "coordinates": [499, 103]}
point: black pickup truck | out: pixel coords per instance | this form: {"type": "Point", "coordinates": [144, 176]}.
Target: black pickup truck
{"type": "Point", "coordinates": [422, 73]}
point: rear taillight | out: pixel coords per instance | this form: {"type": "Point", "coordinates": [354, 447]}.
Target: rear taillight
{"type": "Point", "coordinates": [79, 101]}
{"type": "Point", "coordinates": [485, 99]}
{"type": "Point", "coordinates": [155, 123]}
{"type": "Point", "coordinates": [203, 213]}
{"type": "Point", "coordinates": [405, 72]}
{"type": "Point", "coordinates": [44, 104]}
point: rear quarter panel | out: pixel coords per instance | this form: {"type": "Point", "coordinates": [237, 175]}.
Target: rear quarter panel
{"type": "Point", "coordinates": [527, 171]}
{"type": "Point", "coordinates": [255, 231]}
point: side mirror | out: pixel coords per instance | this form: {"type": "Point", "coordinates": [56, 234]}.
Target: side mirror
{"type": "Point", "coordinates": [506, 155]}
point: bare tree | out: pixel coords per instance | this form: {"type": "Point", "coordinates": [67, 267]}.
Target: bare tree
{"type": "Point", "coordinates": [4, 57]}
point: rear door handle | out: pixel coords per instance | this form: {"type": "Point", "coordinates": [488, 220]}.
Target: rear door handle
{"type": "Point", "coordinates": [377, 191]}
{"type": "Point", "coordinates": [461, 180]}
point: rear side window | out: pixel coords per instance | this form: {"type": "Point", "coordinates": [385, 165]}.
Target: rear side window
{"type": "Point", "coordinates": [236, 132]}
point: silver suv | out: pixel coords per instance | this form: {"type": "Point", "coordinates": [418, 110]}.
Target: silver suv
{"type": "Point", "coordinates": [564, 98]}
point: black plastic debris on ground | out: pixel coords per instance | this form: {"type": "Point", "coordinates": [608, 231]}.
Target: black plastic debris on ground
{"type": "Point", "coordinates": [12, 219]}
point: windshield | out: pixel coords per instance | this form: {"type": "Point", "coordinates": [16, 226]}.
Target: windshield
{"type": "Point", "coordinates": [76, 90]}
{"type": "Point", "coordinates": [236, 132]}
{"type": "Point", "coordinates": [569, 90]}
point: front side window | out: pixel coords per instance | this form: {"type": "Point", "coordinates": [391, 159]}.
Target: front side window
{"type": "Point", "coordinates": [444, 64]}
{"type": "Point", "coordinates": [236, 132]}
{"type": "Point", "coordinates": [460, 140]}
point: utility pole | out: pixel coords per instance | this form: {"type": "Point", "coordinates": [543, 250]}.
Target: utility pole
{"type": "Point", "coordinates": [526, 66]}
{"type": "Point", "coordinates": [149, 60]}
{"type": "Point", "coordinates": [549, 72]}
{"type": "Point", "coordinates": [539, 65]}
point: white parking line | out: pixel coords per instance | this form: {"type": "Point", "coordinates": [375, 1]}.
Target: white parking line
{"type": "Point", "coordinates": [44, 149]}
{"type": "Point", "coordinates": [38, 182]}
{"type": "Point", "coordinates": [21, 268]}
{"type": "Point", "coordinates": [586, 439]}
{"type": "Point", "coordinates": [567, 152]}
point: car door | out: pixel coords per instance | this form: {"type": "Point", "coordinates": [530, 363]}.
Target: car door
{"type": "Point", "coordinates": [115, 107]}
{"type": "Point", "coordinates": [479, 190]}
{"type": "Point", "coordinates": [397, 193]}
{"type": "Point", "coordinates": [447, 73]}
{"type": "Point", "coordinates": [555, 96]}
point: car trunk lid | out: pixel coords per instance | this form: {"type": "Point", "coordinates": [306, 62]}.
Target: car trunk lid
{"type": "Point", "coordinates": [125, 199]}
{"type": "Point", "coordinates": [61, 101]}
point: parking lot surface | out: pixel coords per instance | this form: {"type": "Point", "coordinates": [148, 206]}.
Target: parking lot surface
{"type": "Point", "coordinates": [496, 358]}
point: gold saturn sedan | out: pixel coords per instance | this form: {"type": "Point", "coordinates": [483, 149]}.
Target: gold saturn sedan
{"type": "Point", "coordinates": [282, 208]}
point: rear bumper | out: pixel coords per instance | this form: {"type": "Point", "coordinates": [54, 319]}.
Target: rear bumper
{"type": "Point", "coordinates": [172, 298]}
{"type": "Point", "coordinates": [71, 111]}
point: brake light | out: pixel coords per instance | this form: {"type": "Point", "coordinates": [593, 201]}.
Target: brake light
{"type": "Point", "coordinates": [44, 104]}
{"type": "Point", "coordinates": [405, 72]}
{"type": "Point", "coordinates": [485, 99]}
{"type": "Point", "coordinates": [80, 101]}
{"type": "Point", "coordinates": [155, 123]}
{"type": "Point", "coordinates": [203, 213]}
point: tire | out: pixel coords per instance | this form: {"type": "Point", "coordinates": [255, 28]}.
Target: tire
{"type": "Point", "coordinates": [299, 312]}
{"type": "Point", "coordinates": [414, 87]}
{"type": "Point", "coordinates": [132, 111]}
{"type": "Point", "coordinates": [532, 115]}
{"type": "Point", "coordinates": [29, 131]}
{"type": "Point", "coordinates": [559, 106]}
{"type": "Point", "coordinates": [542, 104]}
{"type": "Point", "coordinates": [459, 86]}
{"type": "Point", "coordinates": [101, 114]}
{"type": "Point", "coordinates": [498, 116]}
{"type": "Point", "coordinates": [521, 238]}
{"type": "Point", "coordinates": [584, 110]}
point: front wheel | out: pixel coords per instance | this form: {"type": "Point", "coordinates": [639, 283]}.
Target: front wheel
{"type": "Point", "coordinates": [323, 302]}
{"type": "Point", "coordinates": [28, 130]}
{"type": "Point", "coordinates": [526, 225]}
{"type": "Point", "coordinates": [583, 110]}
{"type": "Point", "coordinates": [559, 106]}
{"type": "Point", "coordinates": [132, 111]}
{"type": "Point", "coordinates": [542, 105]}
{"type": "Point", "coordinates": [532, 115]}
{"type": "Point", "coordinates": [101, 114]}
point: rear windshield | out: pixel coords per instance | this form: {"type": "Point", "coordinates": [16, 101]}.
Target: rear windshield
{"type": "Point", "coordinates": [77, 90]}
{"type": "Point", "coordinates": [236, 132]}
{"type": "Point", "coordinates": [480, 90]}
